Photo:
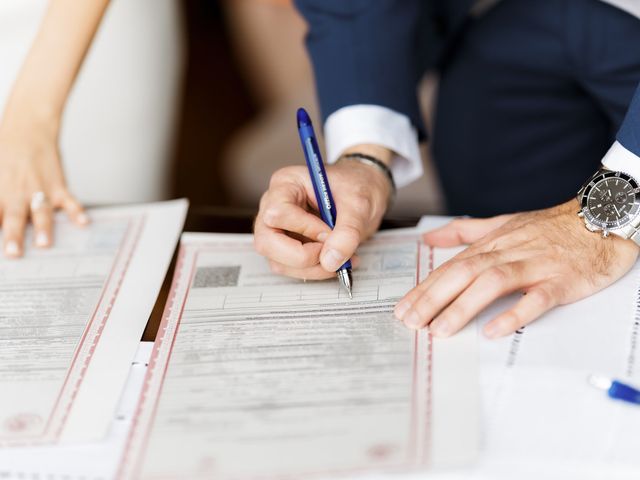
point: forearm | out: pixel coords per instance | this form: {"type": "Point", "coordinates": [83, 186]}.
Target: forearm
{"type": "Point", "coordinates": [52, 64]}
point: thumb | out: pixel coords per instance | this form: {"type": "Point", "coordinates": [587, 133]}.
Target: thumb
{"type": "Point", "coordinates": [464, 231]}
{"type": "Point", "coordinates": [342, 242]}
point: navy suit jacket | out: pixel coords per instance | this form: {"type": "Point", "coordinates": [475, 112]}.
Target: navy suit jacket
{"type": "Point", "coordinates": [629, 134]}
{"type": "Point", "coordinates": [348, 38]}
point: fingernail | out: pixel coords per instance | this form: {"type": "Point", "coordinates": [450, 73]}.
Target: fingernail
{"type": "Point", "coordinates": [401, 309]}
{"type": "Point", "coordinates": [333, 259]}
{"type": "Point", "coordinates": [412, 319]}
{"type": "Point", "coordinates": [12, 249]}
{"type": "Point", "coordinates": [322, 236]}
{"type": "Point", "coordinates": [82, 218]}
{"type": "Point", "coordinates": [440, 328]}
{"type": "Point", "coordinates": [42, 239]}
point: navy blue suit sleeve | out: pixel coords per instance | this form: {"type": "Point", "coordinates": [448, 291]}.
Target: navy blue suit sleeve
{"type": "Point", "coordinates": [629, 133]}
{"type": "Point", "coordinates": [364, 52]}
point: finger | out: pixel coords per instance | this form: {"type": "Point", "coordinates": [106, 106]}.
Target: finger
{"type": "Point", "coordinates": [279, 247]}
{"type": "Point", "coordinates": [312, 273]}
{"type": "Point", "coordinates": [42, 219]}
{"type": "Point", "coordinates": [74, 209]}
{"type": "Point", "coordinates": [280, 213]}
{"type": "Point", "coordinates": [349, 231]}
{"type": "Point", "coordinates": [493, 242]}
{"type": "Point", "coordinates": [422, 303]}
{"type": "Point", "coordinates": [469, 252]}
{"type": "Point", "coordinates": [536, 301]}
{"type": "Point", "coordinates": [484, 290]}
{"type": "Point", "coordinates": [463, 231]}
{"type": "Point", "coordinates": [14, 222]}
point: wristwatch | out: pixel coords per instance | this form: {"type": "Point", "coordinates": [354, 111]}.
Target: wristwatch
{"type": "Point", "coordinates": [610, 203]}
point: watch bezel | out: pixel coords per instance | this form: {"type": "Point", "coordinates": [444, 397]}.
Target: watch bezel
{"type": "Point", "coordinates": [614, 225]}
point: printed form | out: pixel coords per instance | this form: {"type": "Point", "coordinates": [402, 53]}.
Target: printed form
{"type": "Point", "coordinates": [540, 417]}
{"type": "Point", "coordinates": [255, 375]}
{"type": "Point", "coordinates": [71, 318]}
{"type": "Point", "coordinates": [87, 460]}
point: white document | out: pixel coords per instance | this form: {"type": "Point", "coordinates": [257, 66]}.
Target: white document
{"type": "Point", "coordinates": [71, 318]}
{"type": "Point", "coordinates": [541, 419]}
{"type": "Point", "coordinates": [89, 460]}
{"type": "Point", "coordinates": [257, 375]}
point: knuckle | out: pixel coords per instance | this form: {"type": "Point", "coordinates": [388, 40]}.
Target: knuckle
{"type": "Point", "coordinates": [309, 231]}
{"type": "Point", "coordinates": [59, 194]}
{"type": "Point", "coordinates": [466, 267]}
{"type": "Point", "coordinates": [282, 175]}
{"type": "Point", "coordinates": [424, 302]}
{"type": "Point", "coordinates": [459, 224]}
{"type": "Point", "coordinates": [276, 268]}
{"type": "Point", "coordinates": [541, 297]}
{"type": "Point", "coordinates": [15, 212]}
{"type": "Point", "coordinates": [513, 320]}
{"type": "Point", "coordinates": [446, 266]}
{"type": "Point", "coordinates": [455, 311]}
{"type": "Point", "coordinates": [306, 259]}
{"type": "Point", "coordinates": [497, 275]}
{"type": "Point", "coordinates": [277, 177]}
{"type": "Point", "coordinates": [456, 223]}
{"type": "Point", "coordinates": [361, 205]}
{"type": "Point", "coordinates": [272, 215]}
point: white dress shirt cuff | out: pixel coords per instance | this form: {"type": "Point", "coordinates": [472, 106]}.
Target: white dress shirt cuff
{"type": "Point", "coordinates": [620, 159]}
{"type": "Point", "coordinates": [375, 125]}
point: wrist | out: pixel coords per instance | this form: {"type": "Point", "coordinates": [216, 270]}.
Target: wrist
{"type": "Point", "coordinates": [377, 151]}
{"type": "Point", "coordinates": [609, 204]}
{"type": "Point", "coordinates": [374, 166]}
{"type": "Point", "coordinates": [23, 117]}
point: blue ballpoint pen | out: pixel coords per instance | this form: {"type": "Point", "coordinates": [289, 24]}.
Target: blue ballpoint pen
{"type": "Point", "coordinates": [326, 206]}
{"type": "Point", "coordinates": [615, 389]}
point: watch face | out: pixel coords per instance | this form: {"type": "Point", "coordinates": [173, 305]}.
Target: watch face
{"type": "Point", "coordinates": [611, 200]}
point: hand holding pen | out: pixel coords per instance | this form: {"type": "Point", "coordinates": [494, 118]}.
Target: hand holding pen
{"type": "Point", "coordinates": [296, 241]}
{"type": "Point", "coordinates": [324, 198]}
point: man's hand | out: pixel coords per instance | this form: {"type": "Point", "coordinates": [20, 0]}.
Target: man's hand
{"type": "Point", "coordinates": [296, 241]}
{"type": "Point", "coordinates": [548, 255]}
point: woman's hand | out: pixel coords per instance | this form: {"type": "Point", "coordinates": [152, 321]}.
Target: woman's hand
{"type": "Point", "coordinates": [32, 184]}
{"type": "Point", "coordinates": [31, 181]}
{"type": "Point", "coordinates": [548, 255]}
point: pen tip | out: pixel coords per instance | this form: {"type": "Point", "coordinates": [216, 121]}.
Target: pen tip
{"type": "Point", "coordinates": [344, 275]}
{"type": "Point", "coordinates": [303, 118]}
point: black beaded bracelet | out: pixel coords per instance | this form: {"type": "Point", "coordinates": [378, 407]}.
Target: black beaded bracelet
{"type": "Point", "coordinates": [377, 163]}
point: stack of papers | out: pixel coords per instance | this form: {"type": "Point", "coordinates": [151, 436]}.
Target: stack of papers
{"type": "Point", "coordinates": [254, 374]}
{"type": "Point", "coordinates": [258, 375]}
{"type": "Point", "coordinates": [72, 318]}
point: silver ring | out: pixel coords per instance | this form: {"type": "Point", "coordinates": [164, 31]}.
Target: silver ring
{"type": "Point", "coordinates": [38, 200]}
